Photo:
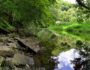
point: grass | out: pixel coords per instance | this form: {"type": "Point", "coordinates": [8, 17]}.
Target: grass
{"type": "Point", "coordinates": [78, 31]}
{"type": "Point", "coordinates": [81, 30]}
{"type": "Point", "coordinates": [70, 33]}
{"type": "Point", "coordinates": [66, 34]}
{"type": "Point", "coordinates": [6, 26]}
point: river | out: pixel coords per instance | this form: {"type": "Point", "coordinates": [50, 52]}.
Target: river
{"type": "Point", "coordinates": [65, 58]}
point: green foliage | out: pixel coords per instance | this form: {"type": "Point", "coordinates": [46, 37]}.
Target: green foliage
{"type": "Point", "coordinates": [65, 12]}
{"type": "Point", "coordinates": [88, 3]}
{"type": "Point", "coordinates": [84, 3]}
{"type": "Point", "coordinates": [70, 13]}
{"type": "Point", "coordinates": [81, 30]}
{"type": "Point", "coordinates": [26, 12]}
{"type": "Point", "coordinates": [6, 27]}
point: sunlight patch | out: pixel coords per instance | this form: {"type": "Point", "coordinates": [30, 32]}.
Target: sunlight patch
{"type": "Point", "coordinates": [71, 1]}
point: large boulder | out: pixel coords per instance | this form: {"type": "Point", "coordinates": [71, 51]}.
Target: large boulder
{"type": "Point", "coordinates": [31, 44]}
{"type": "Point", "coordinates": [5, 51]}
{"type": "Point", "coordinates": [21, 59]}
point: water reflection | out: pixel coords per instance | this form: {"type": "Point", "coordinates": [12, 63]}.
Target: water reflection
{"type": "Point", "coordinates": [65, 58]}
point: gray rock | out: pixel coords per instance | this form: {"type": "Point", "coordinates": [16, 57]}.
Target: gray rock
{"type": "Point", "coordinates": [30, 43]}
{"type": "Point", "coordinates": [12, 45]}
{"type": "Point", "coordinates": [27, 67]}
{"type": "Point", "coordinates": [38, 68]}
{"type": "Point", "coordinates": [22, 68]}
{"type": "Point", "coordinates": [41, 68]}
{"type": "Point", "coordinates": [1, 60]}
{"type": "Point", "coordinates": [19, 69]}
{"type": "Point", "coordinates": [21, 59]}
{"type": "Point", "coordinates": [45, 34]}
{"type": "Point", "coordinates": [5, 51]}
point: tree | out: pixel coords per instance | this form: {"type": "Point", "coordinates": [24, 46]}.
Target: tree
{"type": "Point", "coordinates": [26, 12]}
{"type": "Point", "coordinates": [84, 3]}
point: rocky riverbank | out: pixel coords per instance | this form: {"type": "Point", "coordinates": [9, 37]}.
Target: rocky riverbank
{"type": "Point", "coordinates": [21, 53]}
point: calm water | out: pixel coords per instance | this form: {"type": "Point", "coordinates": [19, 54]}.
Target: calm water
{"type": "Point", "coordinates": [64, 59]}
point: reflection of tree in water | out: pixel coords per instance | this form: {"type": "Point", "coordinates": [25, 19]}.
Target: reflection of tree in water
{"type": "Point", "coordinates": [79, 64]}
{"type": "Point", "coordinates": [83, 63]}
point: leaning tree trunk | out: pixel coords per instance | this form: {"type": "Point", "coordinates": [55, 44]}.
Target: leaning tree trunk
{"type": "Point", "coordinates": [83, 4]}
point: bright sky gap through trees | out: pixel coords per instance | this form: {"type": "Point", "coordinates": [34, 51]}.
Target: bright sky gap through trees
{"type": "Point", "coordinates": [71, 1]}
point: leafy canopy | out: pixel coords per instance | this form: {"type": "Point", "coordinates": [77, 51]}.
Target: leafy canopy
{"type": "Point", "coordinates": [25, 12]}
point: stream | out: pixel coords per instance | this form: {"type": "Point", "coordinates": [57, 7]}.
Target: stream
{"type": "Point", "coordinates": [64, 61]}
